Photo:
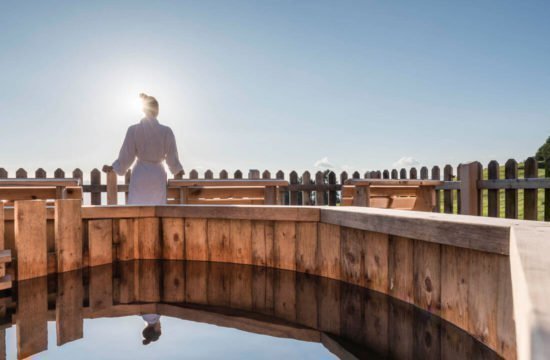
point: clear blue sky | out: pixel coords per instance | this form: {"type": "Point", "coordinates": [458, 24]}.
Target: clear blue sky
{"type": "Point", "coordinates": [276, 84]}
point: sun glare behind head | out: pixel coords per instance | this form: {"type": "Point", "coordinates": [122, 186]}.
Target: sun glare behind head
{"type": "Point", "coordinates": [135, 104]}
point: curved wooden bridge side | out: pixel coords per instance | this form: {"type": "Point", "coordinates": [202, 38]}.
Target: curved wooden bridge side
{"type": "Point", "coordinates": [456, 267]}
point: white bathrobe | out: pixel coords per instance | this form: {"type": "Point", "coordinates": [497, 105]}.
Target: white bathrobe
{"type": "Point", "coordinates": [151, 143]}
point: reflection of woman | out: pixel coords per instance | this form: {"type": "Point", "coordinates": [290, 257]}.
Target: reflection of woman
{"type": "Point", "coordinates": [152, 331]}
{"type": "Point", "coordinates": [151, 143]}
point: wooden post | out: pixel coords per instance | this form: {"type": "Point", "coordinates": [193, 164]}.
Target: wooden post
{"type": "Point", "coordinates": [511, 195]}
{"type": "Point", "coordinates": [127, 178]}
{"type": "Point", "coordinates": [21, 173]}
{"type": "Point", "coordinates": [68, 234]}
{"type": "Point", "coordinates": [193, 174]}
{"type": "Point", "coordinates": [424, 173]}
{"type": "Point", "coordinates": [208, 174]}
{"type": "Point", "coordinates": [293, 177]}
{"type": "Point", "coordinates": [112, 193]}
{"type": "Point", "coordinates": [547, 193]}
{"type": "Point", "coordinates": [270, 195]}
{"type": "Point", "coordinates": [385, 174]}
{"type": "Point", "coordinates": [40, 173]}
{"type": "Point", "coordinates": [254, 174]}
{"type": "Point", "coordinates": [283, 195]}
{"type": "Point", "coordinates": [31, 239]}
{"type": "Point", "coordinates": [77, 174]}
{"type": "Point", "coordinates": [306, 195]}
{"type": "Point", "coordinates": [319, 194]}
{"type": "Point", "coordinates": [448, 194]}
{"type": "Point", "coordinates": [32, 317]}
{"type": "Point", "coordinates": [266, 174]}
{"type": "Point", "coordinates": [394, 174]}
{"type": "Point", "coordinates": [530, 196]}
{"type": "Point", "coordinates": [68, 310]}
{"type": "Point", "coordinates": [493, 196]}
{"type": "Point", "coordinates": [223, 174]}
{"type": "Point", "coordinates": [356, 175]}
{"type": "Point", "coordinates": [95, 182]}
{"type": "Point", "coordinates": [332, 191]}
{"type": "Point", "coordinates": [361, 197]}
{"type": "Point", "coordinates": [403, 174]}
{"type": "Point", "coordinates": [413, 173]}
{"type": "Point", "coordinates": [469, 192]}
{"type": "Point", "coordinates": [238, 174]}
{"type": "Point", "coordinates": [436, 175]}
{"type": "Point", "coordinates": [59, 173]}
{"type": "Point", "coordinates": [3, 173]}
{"type": "Point", "coordinates": [100, 241]}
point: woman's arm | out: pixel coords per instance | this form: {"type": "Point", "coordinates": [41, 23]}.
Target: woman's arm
{"type": "Point", "coordinates": [172, 158]}
{"type": "Point", "coordinates": [127, 154]}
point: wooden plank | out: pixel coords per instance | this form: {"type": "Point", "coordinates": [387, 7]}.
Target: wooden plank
{"type": "Point", "coordinates": [293, 177]}
{"type": "Point", "coordinates": [218, 240]}
{"type": "Point", "coordinates": [306, 247]}
{"type": "Point", "coordinates": [40, 182]}
{"type": "Point", "coordinates": [231, 182]}
{"type": "Point", "coordinates": [127, 284]}
{"type": "Point", "coordinates": [195, 282]}
{"type": "Point", "coordinates": [328, 297]}
{"type": "Point", "coordinates": [95, 180]}
{"type": "Point", "coordinates": [262, 290]}
{"type": "Point", "coordinates": [262, 242]}
{"type": "Point", "coordinates": [448, 194]}
{"type": "Point", "coordinates": [149, 281]}
{"type": "Point", "coordinates": [30, 239]}
{"type": "Point", "coordinates": [511, 195]}
{"type": "Point", "coordinates": [353, 253]}
{"type": "Point", "coordinates": [149, 246]}
{"type": "Point", "coordinates": [284, 294]}
{"type": "Point", "coordinates": [332, 193]}
{"type": "Point", "coordinates": [173, 238]}
{"type": "Point", "coordinates": [240, 287]}
{"type": "Point", "coordinates": [260, 212]}
{"type": "Point", "coordinates": [484, 234]}
{"type": "Point", "coordinates": [493, 196]}
{"type": "Point", "coordinates": [455, 263]}
{"type": "Point", "coordinates": [328, 251]}
{"type": "Point", "coordinates": [470, 195]}
{"type": "Point", "coordinates": [196, 245]}
{"type": "Point", "coordinates": [284, 245]}
{"type": "Point", "coordinates": [427, 339]}
{"type": "Point", "coordinates": [32, 317]}
{"type": "Point", "coordinates": [68, 308]}
{"type": "Point", "coordinates": [516, 184]}
{"type": "Point", "coordinates": [401, 330]}
{"type": "Point", "coordinates": [68, 235]}
{"type": "Point", "coordinates": [436, 175]}
{"type": "Point", "coordinates": [306, 195]}
{"type": "Point", "coordinates": [100, 242]}
{"type": "Point", "coordinates": [101, 287]}
{"type": "Point", "coordinates": [401, 268]}
{"type": "Point", "coordinates": [530, 196]}
{"type": "Point", "coordinates": [482, 300]}
{"type": "Point", "coordinates": [127, 239]}
{"type": "Point", "coordinates": [173, 281]}
{"type": "Point", "coordinates": [219, 284]}
{"type": "Point", "coordinates": [376, 261]}
{"type": "Point", "coordinates": [352, 313]}
{"type": "Point", "coordinates": [319, 195]}
{"type": "Point", "coordinates": [427, 276]}
{"type": "Point", "coordinates": [307, 311]}
{"type": "Point", "coordinates": [392, 183]}
{"type": "Point", "coordinates": [376, 322]}
{"type": "Point", "coordinates": [220, 192]}
{"type": "Point", "coordinates": [506, 323]}
{"type": "Point", "coordinates": [112, 195]}
{"type": "Point", "coordinates": [240, 242]}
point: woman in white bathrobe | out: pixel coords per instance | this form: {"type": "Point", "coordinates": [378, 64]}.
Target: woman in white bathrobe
{"type": "Point", "coordinates": [152, 144]}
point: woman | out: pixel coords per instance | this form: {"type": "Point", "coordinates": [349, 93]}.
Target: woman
{"type": "Point", "coordinates": [152, 143]}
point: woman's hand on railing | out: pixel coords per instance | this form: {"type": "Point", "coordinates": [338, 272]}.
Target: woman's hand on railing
{"type": "Point", "coordinates": [107, 168]}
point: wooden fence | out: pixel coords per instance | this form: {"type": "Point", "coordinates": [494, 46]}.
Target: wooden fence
{"type": "Point", "coordinates": [514, 191]}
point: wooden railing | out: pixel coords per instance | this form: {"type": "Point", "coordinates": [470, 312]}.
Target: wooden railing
{"type": "Point", "coordinates": [515, 191]}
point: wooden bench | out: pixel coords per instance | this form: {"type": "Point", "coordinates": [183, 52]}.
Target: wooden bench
{"type": "Point", "coordinates": [225, 192]}
{"type": "Point", "coordinates": [43, 189]}
{"type": "Point", "coordinates": [416, 195]}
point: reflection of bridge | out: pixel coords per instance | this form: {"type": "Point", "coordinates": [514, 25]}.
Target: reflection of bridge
{"type": "Point", "coordinates": [254, 299]}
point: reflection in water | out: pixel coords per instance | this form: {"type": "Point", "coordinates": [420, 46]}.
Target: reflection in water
{"type": "Point", "coordinates": [347, 320]}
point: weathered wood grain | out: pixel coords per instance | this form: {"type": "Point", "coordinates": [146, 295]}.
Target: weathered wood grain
{"type": "Point", "coordinates": [173, 238]}
{"type": "Point", "coordinates": [401, 268]}
{"type": "Point", "coordinates": [30, 239]}
{"type": "Point", "coordinates": [148, 239]}
{"type": "Point", "coordinates": [306, 247]}
{"type": "Point", "coordinates": [32, 317]}
{"type": "Point", "coordinates": [427, 276]}
{"type": "Point", "coordinates": [100, 242]}
{"type": "Point", "coordinates": [218, 240]}
{"type": "Point", "coordinates": [284, 245]}
{"type": "Point", "coordinates": [196, 240]}
{"type": "Point", "coordinates": [68, 309]}
{"type": "Point", "coordinates": [240, 242]}
{"type": "Point", "coordinates": [455, 263]}
{"type": "Point", "coordinates": [376, 261]}
{"type": "Point", "coordinates": [328, 251]}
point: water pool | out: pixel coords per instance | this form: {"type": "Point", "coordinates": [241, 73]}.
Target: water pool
{"type": "Point", "coordinates": [188, 309]}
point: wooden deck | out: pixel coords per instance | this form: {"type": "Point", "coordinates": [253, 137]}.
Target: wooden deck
{"type": "Point", "coordinates": [456, 267]}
